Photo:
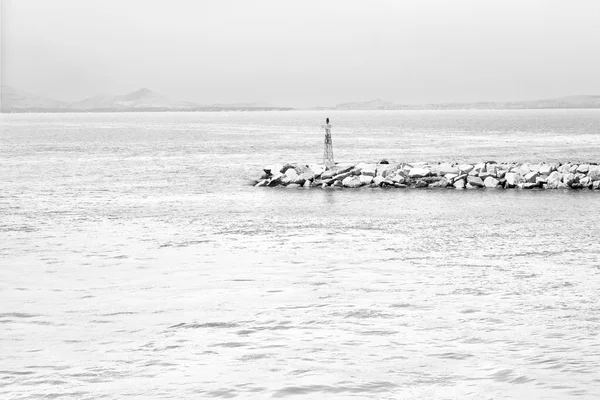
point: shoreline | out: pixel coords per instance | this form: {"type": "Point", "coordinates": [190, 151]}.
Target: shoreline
{"type": "Point", "coordinates": [401, 175]}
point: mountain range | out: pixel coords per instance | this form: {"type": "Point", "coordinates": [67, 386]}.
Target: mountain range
{"type": "Point", "coordinates": [15, 100]}
{"type": "Point", "coordinates": [589, 101]}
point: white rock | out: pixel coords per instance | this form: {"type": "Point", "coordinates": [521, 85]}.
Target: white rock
{"type": "Point", "coordinates": [366, 179]}
{"type": "Point", "coordinates": [491, 182]}
{"type": "Point", "coordinates": [465, 168]}
{"type": "Point", "coordinates": [445, 169]}
{"type": "Point", "coordinates": [419, 172]}
{"type": "Point", "coordinates": [352, 181]}
{"type": "Point", "coordinates": [317, 169]}
{"type": "Point", "coordinates": [531, 177]}
{"type": "Point", "coordinates": [292, 174]}
{"type": "Point", "coordinates": [475, 181]}
{"type": "Point", "coordinates": [546, 169]}
{"type": "Point", "coordinates": [378, 180]}
{"type": "Point", "coordinates": [583, 168]}
{"type": "Point", "coordinates": [459, 184]}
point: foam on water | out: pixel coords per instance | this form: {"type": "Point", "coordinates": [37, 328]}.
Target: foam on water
{"type": "Point", "coordinates": [137, 262]}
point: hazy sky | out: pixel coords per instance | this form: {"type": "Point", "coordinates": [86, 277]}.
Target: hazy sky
{"type": "Point", "coordinates": [306, 52]}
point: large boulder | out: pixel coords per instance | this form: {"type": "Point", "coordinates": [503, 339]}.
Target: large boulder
{"type": "Point", "coordinates": [276, 179]}
{"type": "Point", "coordinates": [491, 169]}
{"type": "Point", "coordinates": [416, 173]}
{"type": "Point", "coordinates": [586, 181]}
{"type": "Point", "coordinates": [531, 177]}
{"type": "Point", "coordinates": [378, 180]}
{"type": "Point", "coordinates": [317, 169]}
{"type": "Point", "coordinates": [365, 179]}
{"type": "Point", "coordinates": [459, 184]}
{"type": "Point", "coordinates": [554, 179]}
{"type": "Point", "coordinates": [569, 178]}
{"type": "Point", "coordinates": [583, 168]}
{"type": "Point", "coordinates": [594, 173]}
{"type": "Point", "coordinates": [337, 170]}
{"type": "Point", "coordinates": [596, 185]}
{"type": "Point", "coordinates": [475, 181]}
{"type": "Point", "coordinates": [546, 169]}
{"type": "Point", "coordinates": [490, 182]}
{"type": "Point", "coordinates": [573, 168]}
{"type": "Point", "coordinates": [342, 176]}
{"type": "Point", "coordinates": [465, 168]}
{"type": "Point", "coordinates": [385, 169]}
{"type": "Point", "coordinates": [442, 183]}
{"type": "Point", "coordinates": [445, 169]}
{"type": "Point", "coordinates": [352, 181]}
{"type": "Point", "coordinates": [513, 179]}
{"type": "Point", "coordinates": [291, 174]}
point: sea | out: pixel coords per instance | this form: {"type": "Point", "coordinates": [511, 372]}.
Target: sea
{"type": "Point", "coordinates": [137, 260]}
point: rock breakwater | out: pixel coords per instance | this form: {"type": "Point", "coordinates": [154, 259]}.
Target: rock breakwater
{"type": "Point", "coordinates": [484, 175]}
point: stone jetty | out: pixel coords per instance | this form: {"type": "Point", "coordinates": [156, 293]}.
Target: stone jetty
{"type": "Point", "coordinates": [483, 175]}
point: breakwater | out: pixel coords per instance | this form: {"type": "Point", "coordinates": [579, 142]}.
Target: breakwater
{"type": "Point", "coordinates": [490, 175]}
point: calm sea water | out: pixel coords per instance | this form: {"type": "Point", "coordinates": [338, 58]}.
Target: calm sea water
{"type": "Point", "coordinates": [137, 262]}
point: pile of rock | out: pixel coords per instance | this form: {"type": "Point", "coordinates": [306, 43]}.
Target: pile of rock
{"type": "Point", "coordinates": [444, 175]}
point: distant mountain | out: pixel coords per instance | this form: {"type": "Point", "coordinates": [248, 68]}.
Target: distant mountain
{"type": "Point", "coordinates": [590, 101]}
{"type": "Point", "coordinates": [13, 99]}
{"type": "Point", "coordinates": [376, 104]}
{"type": "Point", "coordinates": [145, 99]}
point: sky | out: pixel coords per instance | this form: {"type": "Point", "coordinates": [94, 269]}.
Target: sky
{"type": "Point", "coordinates": [303, 53]}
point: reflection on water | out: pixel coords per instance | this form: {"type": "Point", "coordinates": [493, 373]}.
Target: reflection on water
{"type": "Point", "coordinates": [136, 261]}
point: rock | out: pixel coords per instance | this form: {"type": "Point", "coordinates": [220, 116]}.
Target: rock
{"type": "Point", "coordinates": [562, 185]}
{"type": "Point", "coordinates": [569, 178]}
{"type": "Point", "coordinates": [352, 182]}
{"type": "Point", "coordinates": [546, 169]}
{"type": "Point", "coordinates": [369, 171]}
{"type": "Point", "coordinates": [342, 176]}
{"type": "Point", "coordinates": [490, 182]}
{"type": "Point", "coordinates": [459, 184]}
{"type": "Point", "coordinates": [484, 175]}
{"type": "Point", "coordinates": [285, 180]}
{"type": "Point", "coordinates": [399, 185]}
{"type": "Point", "coordinates": [586, 182]}
{"type": "Point", "coordinates": [337, 183]}
{"type": "Point", "coordinates": [378, 180]}
{"type": "Point", "coordinates": [442, 183]}
{"type": "Point", "coordinates": [317, 169]}
{"type": "Point", "coordinates": [553, 180]}
{"type": "Point", "coordinates": [306, 184]}
{"type": "Point", "coordinates": [419, 172]}
{"type": "Point", "coordinates": [450, 177]}
{"type": "Point", "coordinates": [576, 185]}
{"type": "Point", "coordinates": [396, 178]}
{"type": "Point", "coordinates": [513, 179]}
{"type": "Point", "coordinates": [365, 179]}
{"type": "Point", "coordinates": [337, 170]}
{"type": "Point", "coordinates": [583, 168]}
{"type": "Point", "coordinates": [596, 185]}
{"type": "Point", "coordinates": [421, 184]}
{"type": "Point", "coordinates": [563, 169]}
{"type": "Point", "coordinates": [540, 180]}
{"type": "Point", "coordinates": [445, 169]}
{"type": "Point", "coordinates": [529, 185]}
{"type": "Point", "coordinates": [491, 169]}
{"type": "Point", "coordinates": [500, 173]}
{"type": "Point", "coordinates": [594, 173]}
{"type": "Point", "coordinates": [465, 168]}
{"type": "Point", "coordinates": [469, 186]}
{"type": "Point", "coordinates": [475, 181]}
{"type": "Point", "coordinates": [276, 179]}
{"type": "Point", "coordinates": [573, 168]}
{"type": "Point", "coordinates": [384, 161]}
{"type": "Point", "coordinates": [291, 174]}
{"type": "Point", "coordinates": [293, 185]}
{"type": "Point", "coordinates": [384, 169]}
{"type": "Point", "coordinates": [262, 182]}
{"type": "Point", "coordinates": [307, 175]}
{"type": "Point", "coordinates": [531, 177]}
